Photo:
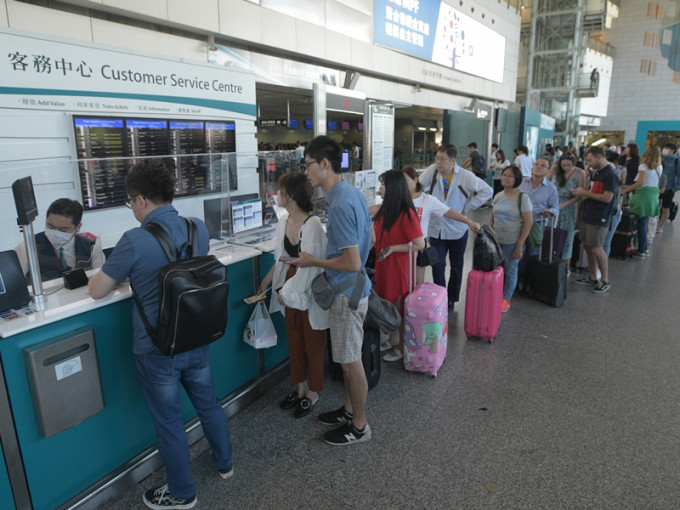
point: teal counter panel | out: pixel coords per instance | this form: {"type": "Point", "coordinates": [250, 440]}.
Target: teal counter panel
{"type": "Point", "coordinates": [60, 467]}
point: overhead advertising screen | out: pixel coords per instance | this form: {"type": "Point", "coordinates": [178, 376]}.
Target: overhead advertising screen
{"type": "Point", "coordinates": [435, 31]}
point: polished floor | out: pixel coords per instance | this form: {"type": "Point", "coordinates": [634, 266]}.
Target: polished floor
{"type": "Point", "coordinates": [569, 408]}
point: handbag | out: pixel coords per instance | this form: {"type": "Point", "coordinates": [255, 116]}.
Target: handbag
{"type": "Point", "coordinates": [535, 237]}
{"type": "Point", "coordinates": [382, 314]}
{"type": "Point", "coordinates": [487, 254]}
{"type": "Point", "coordinates": [260, 332]}
{"type": "Point", "coordinates": [428, 257]}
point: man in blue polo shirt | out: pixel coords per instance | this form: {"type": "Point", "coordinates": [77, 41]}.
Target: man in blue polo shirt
{"type": "Point", "coordinates": [349, 241]}
{"type": "Point", "coordinates": [139, 256]}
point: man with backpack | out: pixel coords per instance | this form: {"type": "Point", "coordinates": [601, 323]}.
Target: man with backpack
{"type": "Point", "coordinates": [475, 162]}
{"type": "Point", "coordinates": [139, 256]}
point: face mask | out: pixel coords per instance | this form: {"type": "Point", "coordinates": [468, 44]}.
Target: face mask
{"type": "Point", "coordinates": [58, 238]}
{"type": "Point", "coordinates": [666, 152]}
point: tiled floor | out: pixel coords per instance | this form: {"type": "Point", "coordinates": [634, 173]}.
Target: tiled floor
{"type": "Point", "coordinates": [570, 408]}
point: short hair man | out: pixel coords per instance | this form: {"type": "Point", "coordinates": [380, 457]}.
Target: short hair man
{"type": "Point", "coordinates": [139, 256]}
{"type": "Point", "coordinates": [349, 241]}
{"type": "Point", "coordinates": [475, 161]}
{"type": "Point", "coordinates": [524, 161]}
{"type": "Point", "coordinates": [461, 191]}
{"type": "Point", "coordinates": [597, 211]}
{"type": "Point", "coordinates": [61, 247]}
{"type": "Point", "coordinates": [671, 169]}
{"type": "Point", "coordinates": [541, 191]}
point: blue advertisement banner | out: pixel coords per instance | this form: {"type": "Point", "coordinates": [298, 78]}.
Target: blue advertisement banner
{"type": "Point", "coordinates": [433, 30]}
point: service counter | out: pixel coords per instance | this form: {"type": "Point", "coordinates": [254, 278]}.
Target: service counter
{"type": "Point", "coordinates": [89, 461]}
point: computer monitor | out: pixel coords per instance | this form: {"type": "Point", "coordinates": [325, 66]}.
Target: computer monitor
{"type": "Point", "coordinates": [246, 215]}
{"type": "Point", "coordinates": [13, 290]}
{"type": "Point", "coordinates": [345, 161]}
{"type": "Point", "coordinates": [217, 214]}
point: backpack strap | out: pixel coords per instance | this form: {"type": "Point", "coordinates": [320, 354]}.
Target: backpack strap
{"type": "Point", "coordinates": [434, 180]}
{"type": "Point", "coordinates": [163, 239]}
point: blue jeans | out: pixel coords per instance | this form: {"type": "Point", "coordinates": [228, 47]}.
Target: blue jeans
{"type": "Point", "coordinates": [510, 266]}
{"type": "Point", "coordinates": [642, 234]}
{"type": "Point", "coordinates": [612, 229]}
{"type": "Point", "coordinates": [160, 377]}
{"type": "Point", "coordinates": [456, 251]}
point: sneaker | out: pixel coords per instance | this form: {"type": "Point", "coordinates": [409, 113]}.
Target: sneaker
{"type": "Point", "coordinates": [602, 287]}
{"type": "Point", "coordinates": [385, 346]}
{"type": "Point", "coordinates": [646, 253]}
{"type": "Point", "coordinates": [659, 231]}
{"type": "Point", "coordinates": [161, 498]}
{"type": "Point", "coordinates": [227, 473]}
{"type": "Point", "coordinates": [505, 306]}
{"type": "Point", "coordinates": [586, 281]}
{"type": "Point", "coordinates": [639, 255]}
{"type": "Point", "coordinates": [393, 355]}
{"type": "Point", "coordinates": [337, 417]}
{"type": "Point", "coordinates": [347, 434]}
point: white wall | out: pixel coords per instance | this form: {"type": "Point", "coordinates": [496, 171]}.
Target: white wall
{"type": "Point", "coordinates": [634, 95]}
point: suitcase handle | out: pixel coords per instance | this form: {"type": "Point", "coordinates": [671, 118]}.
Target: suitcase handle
{"type": "Point", "coordinates": [411, 268]}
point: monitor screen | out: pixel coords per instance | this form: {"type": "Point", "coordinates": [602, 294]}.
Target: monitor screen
{"type": "Point", "coordinates": [332, 125]}
{"type": "Point", "coordinates": [246, 215]}
{"type": "Point", "coordinates": [360, 126]}
{"type": "Point", "coordinates": [293, 124]}
{"type": "Point", "coordinates": [309, 124]}
{"type": "Point", "coordinates": [217, 214]}
{"type": "Point", "coordinates": [345, 125]}
{"type": "Point", "coordinates": [345, 160]}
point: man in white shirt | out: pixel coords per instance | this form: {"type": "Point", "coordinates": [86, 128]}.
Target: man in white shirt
{"type": "Point", "coordinates": [462, 191]}
{"type": "Point", "coordinates": [524, 161]}
{"type": "Point", "coordinates": [60, 247]}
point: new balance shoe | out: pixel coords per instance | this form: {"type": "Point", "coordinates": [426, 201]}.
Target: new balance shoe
{"type": "Point", "coordinates": [586, 281]}
{"type": "Point", "coordinates": [337, 417]}
{"type": "Point", "coordinates": [602, 287]}
{"type": "Point", "coordinates": [161, 498]}
{"type": "Point", "coordinates": [227, 473]}
{"type": "Point", "coordinates": [347, 434]}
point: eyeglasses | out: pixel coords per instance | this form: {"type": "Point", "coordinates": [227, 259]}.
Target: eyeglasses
{"type": "Point", "coordinates": [304, 166]}
{"type": "Point", "coordinates": [128, 202]}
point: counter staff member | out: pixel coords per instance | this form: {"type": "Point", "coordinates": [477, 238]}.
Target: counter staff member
{"type": "Point", "coordinates": [139, 256]}
{"type": "Point", "coordinates": [60, 247]}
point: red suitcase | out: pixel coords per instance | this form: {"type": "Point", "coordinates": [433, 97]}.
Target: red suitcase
{"type": "Point", "coordinates": [483, 303]}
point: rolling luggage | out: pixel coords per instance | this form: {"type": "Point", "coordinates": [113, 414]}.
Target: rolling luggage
{"type": "Point", "coordinates": [370, 357]}
{"type": "Point", "coordinates": [559, 237]}
{"type": "Point", "coordinates": [426, 324]}
{"type": "Point", "coordinates": [628, 223]}
{"type": "Point", "coordinates": [624, 245]}
{"type": "Point", "coordinates": [483, 300]}
{"type": "Point", "coordinates": [548, 278]}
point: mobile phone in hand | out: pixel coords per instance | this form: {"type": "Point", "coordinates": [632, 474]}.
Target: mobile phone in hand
{"type": "Point", "coordinates": [383, 253]}
{"type": "Point", "coordinates": [286, 258]}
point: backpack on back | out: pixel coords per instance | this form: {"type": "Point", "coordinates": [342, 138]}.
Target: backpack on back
{"type": "Point", "coordinates": [192, 307]}
{"type": "Point", "coordinates": [481, 164]}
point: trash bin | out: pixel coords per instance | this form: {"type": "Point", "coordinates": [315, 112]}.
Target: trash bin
{"type": "Point", "coordinates": [63, 374]}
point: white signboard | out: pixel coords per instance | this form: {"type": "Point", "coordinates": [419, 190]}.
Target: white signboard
{"type": "Point", "coordinates": [382, 141]}
{"type": "Point", "coordinates": [43, 74]}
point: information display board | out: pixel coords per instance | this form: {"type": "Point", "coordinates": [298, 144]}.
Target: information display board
{"type": "Point", "coordinates": [107, 147]}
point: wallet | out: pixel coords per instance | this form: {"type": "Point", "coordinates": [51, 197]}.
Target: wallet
{"type": "Point", "coordinates": [75, 278]}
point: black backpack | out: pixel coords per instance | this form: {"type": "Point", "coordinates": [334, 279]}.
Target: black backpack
{"type": "Point", "coordinates": [192, 307]}
{"type": "Point", "coordinates": [481, 164]}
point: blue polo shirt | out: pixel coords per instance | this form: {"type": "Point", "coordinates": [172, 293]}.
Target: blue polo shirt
{"type": "Point", "coordinates": [139, 256]}
{"type": "Point", "coordinates": [349, 224]}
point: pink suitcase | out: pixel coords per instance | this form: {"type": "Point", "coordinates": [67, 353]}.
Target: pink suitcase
{"type": "Point", "coordinates": [483, 303]}
{"type": "Point", "coordinates": [425, 326]}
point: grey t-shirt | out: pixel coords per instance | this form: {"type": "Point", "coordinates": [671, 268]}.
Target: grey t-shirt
{"type": "Point", "coordinates": [507, 216]}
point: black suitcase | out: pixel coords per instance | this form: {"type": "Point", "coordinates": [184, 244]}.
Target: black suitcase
{"type": "Point", "coordinates": [623, 245]}
{"type": "Point", "coordinates": [370, 357]}
{"type": "Point", "coordinates": [628, 223]}
{"type": "Point", "coordinates": [547, 278]}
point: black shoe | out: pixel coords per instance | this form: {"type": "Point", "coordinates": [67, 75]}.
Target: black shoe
{"type": "Point", "coordinates": [347, 434]}
{"type": "Point", "coordinates": [290, 401]}
{"type": "Point", "coordinates": [337, 417]}
{"type": "Point", "coordinates": [304, 407]}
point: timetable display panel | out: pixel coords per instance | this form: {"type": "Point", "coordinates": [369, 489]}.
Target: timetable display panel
{"type": "Point", "coordinates": [108, 147]}
{"type": "Point", "coordinates": [102, 178]}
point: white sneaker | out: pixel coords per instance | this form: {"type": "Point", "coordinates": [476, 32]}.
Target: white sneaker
{"type": "Point", "coordinates": [393, 355]}
{"type": "Point", "coordinates": [385, 346]}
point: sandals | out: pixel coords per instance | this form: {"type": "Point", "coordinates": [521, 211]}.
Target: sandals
{"type": "Point", "coordinates": [290, 401]}
{"type": "Point", "coordinates": [385, 346]}
{"type": "Point", "coordinates": [304, 407]}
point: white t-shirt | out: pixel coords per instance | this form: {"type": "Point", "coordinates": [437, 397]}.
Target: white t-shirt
{"type": "Point", "coordinates": [525, 163]}
{"type": "Point", "coordinates": [426, 205]}
{"type": "Point", "coordinates": [651, 176]}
